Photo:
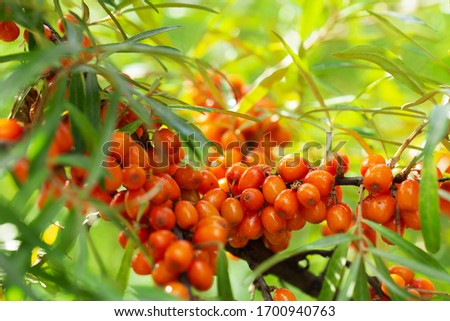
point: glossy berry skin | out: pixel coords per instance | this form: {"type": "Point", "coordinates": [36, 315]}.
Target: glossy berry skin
{"type": "Point", "coordinates": [404, 272]}
{"type": "Point", "coordinates": [162, 218]}
{"type": "Point", "coordinates": [411, 219]}
{"type": "Point", "coordinates": [323, 180]}
{"type": "Point", "coordinates": [165, 140]}
{"type": "Point", "coordinates": [10, 130]}
{"type": "Point", "coordinates": [423, 284]}
{"type": "Point", "coordinates": [379, 209]}
{"type": "Point", "coordinates": [140, 264]}
{"type": "Point", "coordinates": [67, 17]}
{"type": "Point", "coordinates": [252, 199]}
{"type": "Point", "coordinates": [370, 161]}
{"type": "Point", "coordinates": [216, 197]}
{"type": "Point", "coordinates": [292, 168]}
{"type": "Point", "coordinates": [271, 221]}
{"type": "Point", "coordinates": [397, 280]}
{"type": "Point", "coordinates": [253, 177]}
{"type": "Point", "coordinates": [315, 214]}
{"type": "Point", "coordinates": [339, 218]}
{"type": "Point", "coordinates": [9, 31]}
{"type": "Point", "coordinates": [283, 294]}
{"type": "Point", "coordinates": [161, 274]}
{"type": "Point", "coordinates": [378, 179]}
{"type": "Point", "coordinates": [308, 195]}
{"type": "Point", "coordinates": [207, 182]}
{"type": "Point", "coordinates": [339, 164]}
{"type": "Point", "coordinates": [272, 187]}
{"type": "Point", "coordinates": [232, 211]}
{"type": "Point", "coordinates": [286, 203]}
{"type": "Point", "coordinates": [158, 242]}
{"type": "Point", "coordinates": [134, 177]}
{"type": "Point", "coordinates": [177, 289]}
{"type": "Point", "coordinates": [186, 215]}
{"type": "Point", "coordinates": [188, 178]}
{"type": "Point", "coordinates": [234, 173]}
{"type": "Point", "coordinates": [251, 226]}
{"type": "Point", "coordinates": [179, 256]}
{"type": "Point", "coordinates": [408, 195]}
{"type": "Point", "coordinates": [200, 275]}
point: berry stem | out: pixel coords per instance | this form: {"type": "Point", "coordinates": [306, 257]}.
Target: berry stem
{"type": "Point", "coordinates": [264, 288]}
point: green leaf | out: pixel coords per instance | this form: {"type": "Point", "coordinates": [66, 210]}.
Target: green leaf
{"type": "Point", "coordinates": [183, 5]}
{"type": "Point", "coordinates": [284, 255]}
{"type": "Point", "coordinates": [124, 271]}
{"type": "Point", "coordinates": [388, 61]}
{"type": "Point", "coordinates": [92, 100]}
{"type": "Point", "coordinates": [150, 33]}
{"type": "Point", "coordinates": [353, 286]}
{"type": "Point", "coordinates": [429, 198]}
{"type": "Point", "coordinates": [223, 277]}
{"type": "Point", "coordinates": [334, 273]}
{"type": "Point", "coordinates": [202, 109]}
{"type": "Point", "coordinates": [414, 264]}
{"type": "Point", "coordinates": [405, 246]}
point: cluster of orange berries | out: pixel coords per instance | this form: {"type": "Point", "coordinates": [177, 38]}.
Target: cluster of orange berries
{"type": "Point", "coordinates": [404, 277]}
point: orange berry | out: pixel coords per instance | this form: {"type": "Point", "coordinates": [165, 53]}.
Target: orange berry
{"type": "Point", "coordinates": [234, 173]}
{"type": "Point", "coordinates": [235, 239]}
{"type": "Point", "coordinates": [378, 179]}
{"type": "Point", "coordinates": [292, 168]}
{"type": "Point", "coordinates": [339, 218]}
{"type": "Point", "coordinates": [308, 195]}
{"type": "Point", "coordinates": [408, 195]}
{"type": "Point", "coordinates": [135, 202]}
{"type": "Point", "coordinates": [370, 161]}
{"type": "Point", "coordinates": [208, 181]}
{"type": "Point", "coordinates": [20, 170]}
{"type": "Point", "coordinates": [206, 209]}
{"type": "Point", "coordinates": [271, 221]}
{"type": "Point", "coordinates": [223, 184]}
{"type": "Point", "coordinates": [339, 164]}
{"type": "Point", "coordinates": [323, 180]}
{"type": "Point", "coordinates": [200, 275]}
{"type": "Point", "coordinates": [63, 138]}
{"type": "Point", "coordinates": [216, 197]}
{"type": "Point", "coordinates": [297, 222]}
{"type": "Point", "coordinates": [404, 272]}
{"type": "Point", "coordinates": [67, 17]}
{"type": "Point", "coordinates": [134, 177]}
{"type": "Point", "coordinates": [213, 220]}
{"type": "Point", "coordinates": [9, 31]}
{"type": "Point", "coordinates": [158, 242]}
{"type": "Point", "coordinates": [175, 192]}
{"type": "Point", "coordinates": [251, 226]}
{"type": "Point", "coordinates": [161, 188]}
{"type": "Point", "coordinates": [286, 203]}
{"type": "Point", "coordinates": [397, 280]}
{"type": "Point", "coordinates": [114, 177]}
{"type": "Point", "coordinates": [253, 177]}
{"type": "Point", "coordinates": [177, 289]}
{"type": "Point", "coordinates": [140, 264]}
{"type": "Point", "coordinates": [444, 205]}
{"type": "Point", "coordinates": [190, 195]}
{"type": "Point", "coordinates": [379, 208]}
{"type": "Point", "coordinates": [161, 274]}
{"type": "Point", "coordinates": [272, 186]}
{"type": "Point", "coordinates": [315, 214]}
{"type": "Point", "coordinates": [394, 226]}
{"type": "Point", "coordinates": [252, 199]}
{"type": "Point", "coordinates": [188, 178]}
{"type": "Point", "coordinates": [179, 256]}
{"type": "Point", "coordinates": [411, 219]}
{"type": "Point", "coordinates": [10, 130]}
{"type": "Point", "coordinates": [423, 284]}
{"type": "Point", "coordinates": [166, 140]}
{"type": "Point", "coordinates": [283, 294]}
{"type": "Point", "coordinates": [162, 218]}
{"type": "Point", "coordinates": [186, 215]}
{"type": "Point", "coordinates": [210, 233]}
{"type": "Point", "coordinates": [232, 211]}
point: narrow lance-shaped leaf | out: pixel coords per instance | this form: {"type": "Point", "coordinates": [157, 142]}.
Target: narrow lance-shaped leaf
{"type": "Point", "coordinates": [150, 33]}
{"type": "Point", "coordinates": [347, 290]}
{"type": "Point", "coordinates": [387, 61]}
{"type": "Point", "coordinates": [124, 271]}
{"type": "Point", "coordinates": [223, 277]}
{"type": "Point", "coordinates": [334, 273]}
{"type": "Point", "coordinates": [429, 198]}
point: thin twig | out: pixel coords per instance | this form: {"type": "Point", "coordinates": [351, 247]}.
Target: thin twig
{"type": "Point", "coordinates": [264, 288]}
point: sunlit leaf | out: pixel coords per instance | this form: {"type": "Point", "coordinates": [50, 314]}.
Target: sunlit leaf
{"type": "Point", "coordinates": [334, 273]}
{"type": "Point", "coordinates": [223, 277]}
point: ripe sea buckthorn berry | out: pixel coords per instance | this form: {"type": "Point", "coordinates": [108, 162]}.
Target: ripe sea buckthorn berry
{"type": "Point", "coordinates": [224, 186]}
{"type": "Point", "coordinates": [63, 138]}
{"type": "Point", "coordinates": [379, 209]}
{"type": "Point", "coordinates": [140, 264]}
{"type": "Point", "coordinates": [272, 186]}
{"type": "Point", "coordinates": [137, 155]}
{"type": "Point", "coordinates": [177, 289]}
{"type": "Point", "coordinates": [251, 226]}
{"type": "Point", "coordinates": [175, 192]}
{"type": "Point", "coordinates": [444, 205]}
{"type": "Point", "coordinates": [339, 164]}
{"type": "Point", "coordinates": [413, 292]}
{"type": "Point", "coordinates": [66, 17]}
{"type": "Point", "coordinates": [339, 218]}
{"type": "Point", "coordinates": [160, 188]}
{"type": "Point", "coordinates": [186, 215]}
{"type": "Point", "coordinates": [271, 221]}
{"type": "Point", "coordinates": [234, 173]}
{"type": "Point", "coordinates": [166, 140]}
{"type": "Point", "coordinates": [378, 179]}
{"type": "Point", "coordinates": [297, 222]}
{"type": "Point", "coordinates": [230, 138]}
{"type": "Point", "coordinates": [308, 195]}
{"type": "Point", "coordinates": [10, 130]}
{"type": "Point", "coordinates": [252, 199]}
{"type": "Point", "coordinates": [235, 239]}
{"type": "Point", "coordinates": [423, 284]}
{"type": "Point", "coordinates": [158, 242]}
{"type": "Point", "coordinates": [277, 247]}
{"type": "Point", "coordinates": [123, 239]}
{"type": "Point", "coordinates": [277, 238]}
{"type": "Point", "coordinates": [283, 294]}
{"type": "Point", "coordinates": [408, 195]}
{"type": "Point", "coordinates": [315, 214]}
{"type": "Point", "coordinates": [216, 197]}
{"type": "Point", "coordinates": [133, 177]}
{"type": "Point", "coordinates": [188, 178]}
{"type": "Point", "coordinates": [404, 272]}
{"type": "Point", "coordinates": [162, 218]}
{"type": "Point", "coordinates": [213, 220]}
{"type": "Point", "coordinates": [135, 202]}
{"type": "Point", "coordinates": [9, 31]}
{"type": "Point", "coordinates": [394, 226]}
{"type": "Point", "coordinates": [232, 211]}
{"type": "Point", "coordinates": [323, 180]}
{"type": "Point", "coordinates": [207, 182]}
{"type": "Point", "coordinates": [253, 177]}
{"type": "Point", "coordinates": [206, 209]}
{"type": "Point", "coordinates": [397, 280]}
{"type": "Point", "coordinates": [179, 256]}
{"type": "Point", "coordinates": [200, 275]}
{"type": "Point", "coordinates": [161, 274]}
{"type": "Point", "coordinates": [209, 234]}
{"type": "Point", "coordinates": [292, 168]}
{"type": "Point", "coordinates": [190, 195]}
{"type": "Point", "coordinates": [286, 203]}
{"type": "Point", "coordinates": [119, 147]}
{"type": "Point", "coordinates": [370, 161]}
{"type": "Point", "coordinates": [20, 170]}
{"type": "Point", "coordinates": [411, 219]}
